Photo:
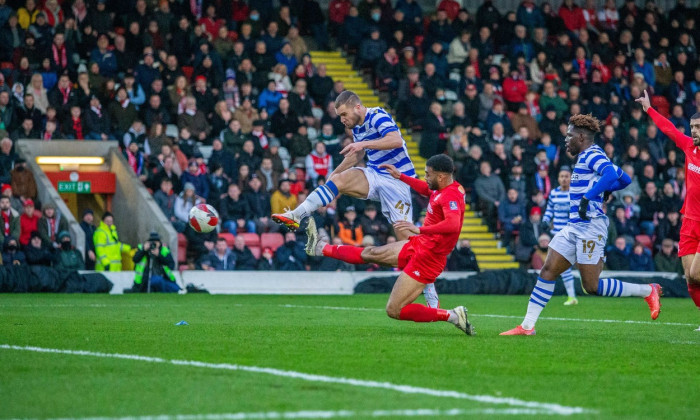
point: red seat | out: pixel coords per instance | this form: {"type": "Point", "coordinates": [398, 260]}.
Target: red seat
{"type": "Point", "coordinates": [229, 238]}
{"type": "Point", "coordinates": [645, 240]}
{"type": "Point", "coordinates": [251, 239]}
{"type": "Point", "coordinates": [181, 248]}
{"type": "Point", "coordinates": [272, 240]}
{"type": "Point", "coordinates": [255, 250]}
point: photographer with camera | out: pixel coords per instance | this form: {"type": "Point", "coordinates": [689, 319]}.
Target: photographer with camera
{"type": "Point", "coordinates": [154, 265]}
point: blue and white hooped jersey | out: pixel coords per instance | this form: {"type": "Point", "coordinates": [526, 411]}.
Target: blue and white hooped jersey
{"type": "Point", "coordinates": [558, 206]}
{"type": "Point", "coordinates": [589, 167]}
{"type": "Point", "coordinates": [377, 124]}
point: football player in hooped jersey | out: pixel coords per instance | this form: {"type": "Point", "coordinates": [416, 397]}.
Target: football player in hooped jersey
{"type": "Point", "coordinates": [689, 245]}
{"type": "Point", "coordinates": [583, 238]}
{"type": "Point", "coordinates": [375, 132]}
{"type": "Point", "coordinates": [423, 256]}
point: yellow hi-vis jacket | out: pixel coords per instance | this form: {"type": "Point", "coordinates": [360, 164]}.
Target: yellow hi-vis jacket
{"type": "Point", "coordinates": [108, 249]}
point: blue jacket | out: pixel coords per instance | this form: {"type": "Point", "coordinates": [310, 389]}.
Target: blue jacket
{"type": "Point", "coordinates": [508, 210]}
{"type": "Point", "coordinates": [647, 70]}
{"type": "Point", "coordinates": [106, 61]}
{"type": "Point", "coordinates": [227, 264]}
{"type": "Point", "coordinates": [532, 19]}
{"type": "Point", "coordinates": [642, 262]}
{"type": "Point", "coordinates": [290, 257]}
{"type": "Point", "coordinates": [269, 100]}
{"type": "Point", "coordinates": [200, 182]}
{"type": "Point", "coordinates": [290, 62]}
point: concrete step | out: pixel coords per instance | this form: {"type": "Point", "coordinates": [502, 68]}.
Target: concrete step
{"type": "Point", "coordinates": [488, 251]}
{"type": "Point", "coordinates": [471, 221]}
{"type": "Point", "coordinates": [494, 258]}
{"type": "Point", "coordinates": [498, 265]}
{"type": "Point", "coordinates": [474, 228]}
{"type": "Point", "coordinates": [484, 243]}
{"type": "Point", "coordinates": [477, 235]}
{"type": "Point", "coordinates": [319, 53]}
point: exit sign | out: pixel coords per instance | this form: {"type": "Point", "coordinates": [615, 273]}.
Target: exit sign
{"type": "Point", "coordinates": [79, 187]}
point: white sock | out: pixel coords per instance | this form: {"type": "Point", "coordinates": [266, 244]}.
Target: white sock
{"type": "Point", "coordinates": [431, 297]}
{"type": "Point", "coordinates": [320, 197]}
{"type": "Point", "coordinates": [453, 317]}
{"type": "Point", "coordinates": [538, 300]}
{"type": "Point", "coordinates": [616, 288]}
{"type": "Point", "coordinates": [568, 278]}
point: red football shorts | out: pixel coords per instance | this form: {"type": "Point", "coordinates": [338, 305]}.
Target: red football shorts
{"type": "Point", "coordinates": [690, 237]}
{"type": "Point", "coordinates": [419, 262]}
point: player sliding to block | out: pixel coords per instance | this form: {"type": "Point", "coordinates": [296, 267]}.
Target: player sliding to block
{"type": "Point", "coordinates": [423, 256]}
{"type": "Point", "coordinates": [583, 239]}
{"type": "Point", "coordinates": [689, 245]}
{"type": "Point", "coordinates": [373, 130]}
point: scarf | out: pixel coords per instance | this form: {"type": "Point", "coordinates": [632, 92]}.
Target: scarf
{"type": "Point", "coordinates": [52, 228]}
{"type": "Point", "coordinates": [133, 163]}
{"type": "Point", "coordinates": [125, 103]}
{"type": "Point", "coordinates": [232, 97]}
{"type": "Point", "coordinates": [261, 137]}
{"type": "Point", "coordinates": [78, 128]}
{"type": "Point", "coordinates": [62, 60]}
{"type": "Point", "coordinates": [190, 112]}
{"type": "Point", "coordinates": [47, 136]}
{"type": "Point", "coordinates": [582, 68]}
{"type": "Point", "coordinates": [97, 110]}
{"type": "Point", "coordinates": [6, 219]}
{"type": "Point", "coordinates": [79, 13]}
{"type": "Point", "coordinates": [66, 94]}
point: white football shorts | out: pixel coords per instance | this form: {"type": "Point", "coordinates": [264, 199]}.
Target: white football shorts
{"type": "Point", "coordinates": [582, 243]}
{"type": "Point", "coordinates": [394, 195]}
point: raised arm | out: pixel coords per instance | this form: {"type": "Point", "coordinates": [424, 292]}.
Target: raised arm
{"type": "Point", "coordinates": [682, 141]}
{"type": "Point", "coordinates": [421, 187]}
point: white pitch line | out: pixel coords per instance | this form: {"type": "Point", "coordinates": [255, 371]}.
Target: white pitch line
{"type": "Point", "coordinates": [327, 414]}
{"type": "Point", "coordinates": [472, 314]}
{"type": "Point", "coordinates": [405, 389]}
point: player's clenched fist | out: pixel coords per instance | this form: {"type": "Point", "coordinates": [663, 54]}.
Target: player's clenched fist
{"type": "Point", "coordinates": [408, 227]}
{"type": "Point", "coordinates": [391, 169]}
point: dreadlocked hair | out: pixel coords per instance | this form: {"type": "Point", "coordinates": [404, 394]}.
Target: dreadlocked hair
{"type": "Point", "coordinates": [586, 122]}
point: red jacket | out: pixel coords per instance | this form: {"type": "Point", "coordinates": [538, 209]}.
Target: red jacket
{"type": "Point", "coordinates": [514, 90]}
{"type": "Point", "coordinates": [451, 7]}
{"type": "Point", "coordinates": [338, 10]}
{"type": "Point", "coordinates": [27, 225]}
{"type": "Point", "coordinates": [573, 18]}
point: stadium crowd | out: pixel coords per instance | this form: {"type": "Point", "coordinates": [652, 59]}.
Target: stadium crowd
{"type": "Point", "coordinates": [492, 89]}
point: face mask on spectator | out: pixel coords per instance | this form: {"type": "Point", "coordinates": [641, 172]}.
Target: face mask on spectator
{"type": "Point", "coordinates": [66, 246]}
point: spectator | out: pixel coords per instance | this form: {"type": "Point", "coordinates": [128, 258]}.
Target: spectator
{"type": "Point", "coordinates": [50, 224]}
{"type": "Point", "coordinates": [285, 121]}
{"type": "Point", "coordinates": [108, 248]}
{"type": "Point", "coordinates": [221, 258]}
{"type": "Point", "coordinates": [463, 258]}
{"type": "Point", "coordinates": [640, 259]}
{"type": "Point", "coordinates": [541, 250]}
{"type": "Point", "coordinates": [318, 163]}
{"type": "Point", "coordinates": [267, 260]}
{"type": "Point", "coordinates": [282, 198]}
{"type": "Point", "coordinates": [11, 254]}
{"type": "Point", "coordinates": [350, 229]}
{"type": "Point", "coordinates": [667, 259]}
{"type": "Point", "coordinates": [511, 214]}
{"type": "Point", "coordinates": [67, 257]}
{"type": "Point", "coordinates": [669, 227]}
{"type": "Point", "coordinates": [185, 201]}
{"type": "Point", "coordinates": [259, 203]}
{"type": "Point", "coordinates": [122, 113]}
{"type": "Point", "coordinates": [197, 178]}
{"type": "Point", "coordinates": [290, 256]}
{"type": "Point", "coordinates": [490, 193]}
{"type": "Point", "coordinates": [37, 252]}
{"type": "Point", "coordinates": [194, 120]}
{"type": "Point", "coordinates": [618, 256]}
{"type": "Point", "coordinates": [245, 260]}
{"type": "Point", "coordinates": [235, 212]}
{"type": "Point", "coordinates": [15, 202]}
{"type": "Point", "coordinates": [530, 232]}
{"type": "Point", "coordinates": [154, 265]}
{"type": "Point", "coordinates": [434, 136]}
{"type": "Point", "coordinates": [10, 218]}
{"type": "Point", "coordinates": [89, 229]}
{"type": "Point", "coordinates": [650, 206]}
{"type": "Point", "coordinates": [371, 49]}
{"type": "Point", "coordinates": [374, 225]}
{"type": "Point", "coordinates": [165, 198]}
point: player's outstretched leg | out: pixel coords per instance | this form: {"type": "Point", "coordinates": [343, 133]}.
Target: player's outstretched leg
{"type": "Point", "coordinates": [400, 306]}
{"type": "Point", "coordinates": [616, 288]}
{"type": "Point", "coordinates": [568, 278]}
{"type": "Point", "coordinates": [320, 197]}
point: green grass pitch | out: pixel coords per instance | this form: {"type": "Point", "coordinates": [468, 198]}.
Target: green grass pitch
{"type": "Point", "coordinates": [286, 356]}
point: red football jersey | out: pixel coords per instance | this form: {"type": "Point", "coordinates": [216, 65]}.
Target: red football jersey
{"type": "Point", "coordinates": [691, 205]}
{"type": "Point", "coordinates": [444, 216]}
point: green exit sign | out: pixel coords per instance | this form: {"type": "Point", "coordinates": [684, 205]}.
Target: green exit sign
{"type": "Point", "coordinates": [79, 187]}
